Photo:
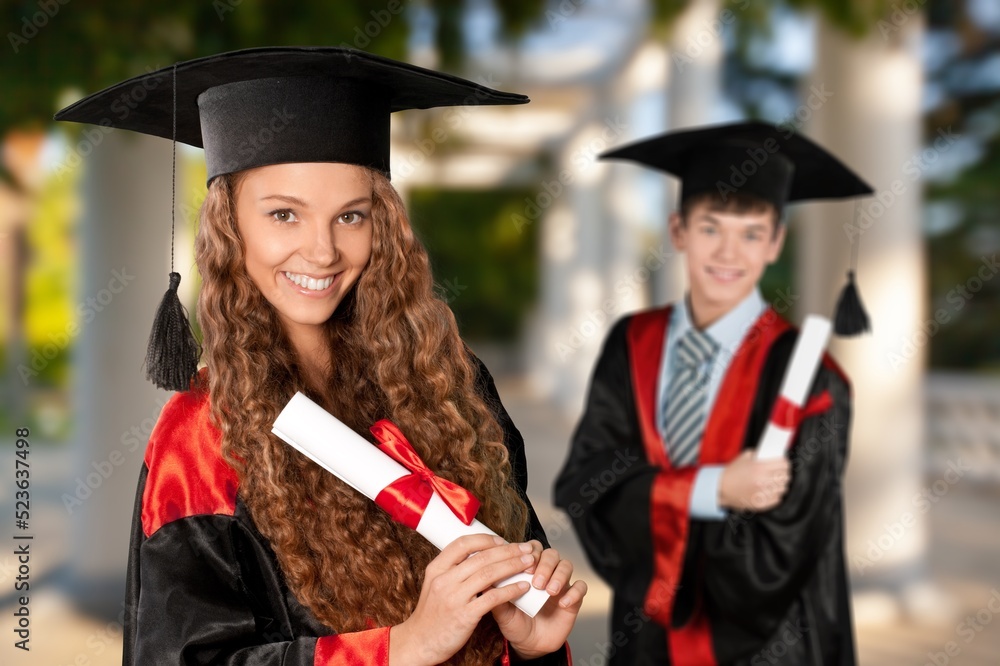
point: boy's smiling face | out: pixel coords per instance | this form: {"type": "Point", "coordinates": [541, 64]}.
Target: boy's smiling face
{"type": "Point", "coordinates": [726, 253]}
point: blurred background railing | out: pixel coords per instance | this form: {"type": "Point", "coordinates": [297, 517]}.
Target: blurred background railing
{"type": "Point", "coordinates": [963, 415]}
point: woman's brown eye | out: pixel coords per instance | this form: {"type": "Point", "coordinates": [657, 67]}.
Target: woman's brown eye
{"type": "Point", "coordinates": [282, 215]}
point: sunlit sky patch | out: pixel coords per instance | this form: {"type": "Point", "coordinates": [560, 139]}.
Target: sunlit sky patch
{"type": "Point", "coordinates": [984, 13]}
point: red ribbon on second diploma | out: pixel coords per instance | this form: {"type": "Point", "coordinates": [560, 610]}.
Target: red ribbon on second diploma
{"type": "Point", "coordinates": [789, 416]}
{"type": "Point", "coordinates": [406, 498]}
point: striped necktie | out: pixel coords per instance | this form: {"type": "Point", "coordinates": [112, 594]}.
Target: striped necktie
{"type": "Point", "coordinates": [687, 395]}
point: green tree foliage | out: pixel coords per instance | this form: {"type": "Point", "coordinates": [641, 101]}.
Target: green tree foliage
{"type": "Point", "coordinates": [85, 45]}
{"type": "Point", "coordinates": [50, 319]}
{"type": "Point", "coordinates": [485, 266]}
{"type": "Point", "coordinates": [964, 283]}
{"type": "Point", "coordinates": [856, 17]}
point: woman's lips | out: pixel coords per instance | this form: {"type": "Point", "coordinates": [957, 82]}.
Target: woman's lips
{"type": "Point", "coordinates": [314, 293]}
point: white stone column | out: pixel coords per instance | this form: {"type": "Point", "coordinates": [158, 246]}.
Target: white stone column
{"type": "Point", "coordinates": [595, 238]}
{"type": "Point", "coordinates": [872, 121]}
{"type": "Point", "coordinates": [635, 233]}
{"type": "Point", "coordinates": [574, 259]}
{"type": "Point", "coordinates": [125, 234]}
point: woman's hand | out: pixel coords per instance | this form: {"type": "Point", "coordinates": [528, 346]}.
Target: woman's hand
{"type": "Point", "coordinates": [548, 630]}
{"type": "Point", "coordinates": [457, 591]}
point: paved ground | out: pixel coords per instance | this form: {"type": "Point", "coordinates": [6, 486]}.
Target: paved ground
{"type": "Point", "coordinates": [963, 572]}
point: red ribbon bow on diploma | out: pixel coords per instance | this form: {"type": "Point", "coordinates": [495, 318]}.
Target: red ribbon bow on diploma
{"type": "Point", "coordinates": [406, 498]}
{"type": "Point", "coordinates": [789, 416]}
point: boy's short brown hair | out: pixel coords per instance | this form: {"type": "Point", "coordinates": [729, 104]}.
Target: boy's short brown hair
{"type": "Point", "coordinates": [737, 202]}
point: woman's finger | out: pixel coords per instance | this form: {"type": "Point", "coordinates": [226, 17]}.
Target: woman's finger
{"type": "Point", "coordinates": [536, 550]}
{"type": "Point", "coordinates": [560, 577]}
{"type": "Point", "coordinates": [574, 595]}
{"type": "Point", "coordinates": [461, 548]}
{"type": "Point", "coordinates": [497, 596]}
{"type": "Point", "coordinates": [547, 563]}
{"type": "Point", "coordinates": [489, 567]}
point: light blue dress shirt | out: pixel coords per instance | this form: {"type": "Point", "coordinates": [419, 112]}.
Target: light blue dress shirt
{"type": "Point", "coordinates": [728, 331]}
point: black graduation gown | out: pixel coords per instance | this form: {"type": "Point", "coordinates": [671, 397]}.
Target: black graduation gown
{"type": "Point", "coordinates": [204, 586]}
{"type": "Point", "coordinates": [754, 589]}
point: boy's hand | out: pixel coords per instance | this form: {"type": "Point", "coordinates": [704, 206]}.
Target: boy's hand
{"type": "Point", "coordinates": [748, 483]}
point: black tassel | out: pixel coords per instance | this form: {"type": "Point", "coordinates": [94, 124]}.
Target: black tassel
{"type": "Point", "coordinates": [851, 318]}
{"type": "Point", "coordinates": [172, 353]}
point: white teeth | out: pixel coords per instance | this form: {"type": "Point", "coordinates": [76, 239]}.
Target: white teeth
{"type": "Point", "coordinates": [308, 282]}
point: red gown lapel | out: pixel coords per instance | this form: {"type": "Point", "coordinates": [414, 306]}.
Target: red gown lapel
{"type": "Point", "coordinates": [646, 333]}
{"type": "Point", "coordinates": [725, 430]}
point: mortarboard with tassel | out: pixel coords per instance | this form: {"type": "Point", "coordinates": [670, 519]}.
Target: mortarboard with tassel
{"type": "Point", "coordinates": [785, 167]}
{"type": "Point", "coordinates": [270, 105]}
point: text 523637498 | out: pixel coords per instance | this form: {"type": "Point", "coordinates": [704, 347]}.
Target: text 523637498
{"type": "Point", "coordinates": [22, 540]}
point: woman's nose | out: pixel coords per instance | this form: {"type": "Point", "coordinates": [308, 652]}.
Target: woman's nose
{"type": "Point", "coordinates": [321, 248]}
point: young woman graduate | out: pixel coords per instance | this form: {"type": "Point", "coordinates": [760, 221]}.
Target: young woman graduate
{"type": "Point", "coordinates": [242, 550]}
{"type": "Point", "coordinates": [716, 557]}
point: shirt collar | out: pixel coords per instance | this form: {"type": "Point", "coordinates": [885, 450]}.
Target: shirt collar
{"type": "Point", "coordinates": [728, 330]}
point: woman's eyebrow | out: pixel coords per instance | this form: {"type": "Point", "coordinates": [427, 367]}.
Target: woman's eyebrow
{"type": "Point", "coordinates": [302, 204]}
{"type": "Point", "coordinates": [355, 202]}
{"type": "Point", "coordinates": [286, 198]}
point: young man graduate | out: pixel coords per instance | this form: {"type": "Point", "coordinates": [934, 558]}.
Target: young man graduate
{"type": "Point", "coordinates": [715, 557]}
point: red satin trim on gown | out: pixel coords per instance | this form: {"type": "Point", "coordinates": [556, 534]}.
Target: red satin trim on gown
{"type": "Point", "coordinates": [358, 648]}
{"type": "Point", "coordinates": [830, 364]}
{"type": "Point", "coordinates": [722, 441]}
{"type": "Point", "coordinates": [790, 416]}
{"type": "Point", "coordinates": [726, 428]}
{"type": "Point", "coordinates": [671, 491]}
{"type": "Point", "coordinates": [187, 474]}
{"type": "Point", "coordinates": [406, 498]}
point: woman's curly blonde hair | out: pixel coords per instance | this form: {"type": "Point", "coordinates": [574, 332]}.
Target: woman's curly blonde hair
{"type": "Point", "coordinates": [396, 354]}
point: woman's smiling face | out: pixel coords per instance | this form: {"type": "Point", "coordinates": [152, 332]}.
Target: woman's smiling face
{"type": "Point", "coordinates": [307, 232]}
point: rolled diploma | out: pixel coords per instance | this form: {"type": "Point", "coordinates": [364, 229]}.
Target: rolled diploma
{"type": "Point", "coordinates": [799, 377]}
{"type": "Point", "coordinates": [318, 435]}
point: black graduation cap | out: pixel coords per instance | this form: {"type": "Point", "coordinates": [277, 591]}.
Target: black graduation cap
{"type": "Point", "coordinates": [260, 106]}
{"type": "Point", "coordinates": [773, 163]}
{"type": "Point", "coordinates": [271, 105]}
